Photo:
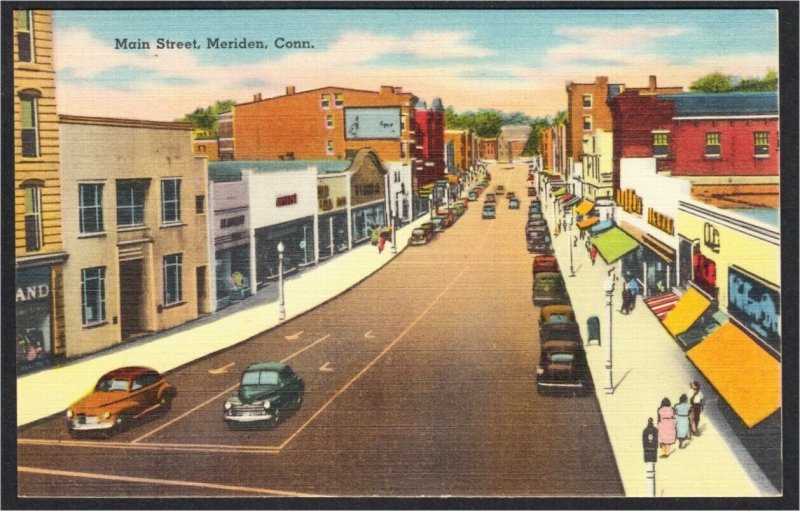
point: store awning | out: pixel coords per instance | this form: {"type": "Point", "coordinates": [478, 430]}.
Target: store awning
{"type": "Point", "coordinates": [566, 197]}
{"type": "Point", "coordinates": [558, 192]}
{"type": "Point", "coordinates": [452, 178]}
{"type": "Point", "coordinates": [743, 373]}
{"type": "Point", "coordinates": [588, 222]}
{"type": "Point", "coordinates": [601, 226]}
{"type": "Point", "coordinates": [613, 244]}
{"type": "Point", "coordinates": [663, 251]}
{"type": "Point", "coordinates": [584, 207]}
{"type": "Point", "coordinates": [571, 202]}
{"type": "Point", "coordinates": [633, 232]}
{"type": "Point", "coordinates": [690, 307]}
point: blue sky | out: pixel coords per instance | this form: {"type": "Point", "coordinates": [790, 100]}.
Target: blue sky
{"type": "Point", "coordinates": [507, 59]}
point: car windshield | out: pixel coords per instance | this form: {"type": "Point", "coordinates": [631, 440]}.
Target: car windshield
{"type": "Point", "coordinates": [111, 384]}
{"type": "Point", "coordinates": [562, 357]}
{"type": "Point", "coordinates": [559, 318]}
{"type": "Point", "coordinates": [260, 378]}
{"type": "Point", "coordinates": [560, 334]}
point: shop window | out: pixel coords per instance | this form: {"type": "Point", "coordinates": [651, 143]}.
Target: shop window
{"type": "Point", "coordinates": [761, 143]}
{"type": "Point", "coordinates": [339, 98]}
{"type": "Point", "coordinates": [713, 146]}
{"type": "Point", "coordinates": [587, 123]}
{"type": "Point", "coordinates": [325, 101]}
{"type": "Point", "coordinates": [33, 218]}
{"type": "Point", "coordinates": [329, 121]}
{"type": "Point", "coordinates": [25, 36]}
{"type": "Point", "coordinates": [170, 201]}
{"type": "Point", "coordinates": [587, 100]}
{"type": "Point", "coordinates": [130, 203]}
{"type": "Point", "coordinates": [29, 110]}
{"type": "Point", "coordinates": [173, 292]}
{"type": "Point", "coordinates": [660, 144]}
{"type": "Point", "coordinates": [90, 207]}
{"type": "Point", "coordinates": [93, 295]}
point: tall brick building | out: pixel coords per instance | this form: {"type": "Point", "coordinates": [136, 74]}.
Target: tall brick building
{"type": "Point", "coordinates": [429, 142]}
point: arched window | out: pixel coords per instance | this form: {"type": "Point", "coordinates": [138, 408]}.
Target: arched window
{"type": "Point", "coordinates": [29, 117]}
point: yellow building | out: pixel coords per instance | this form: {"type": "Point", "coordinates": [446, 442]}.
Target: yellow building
{"type": "Point", "coordinates": [462, 148]}
{"type": "Point", "coordinates": [136, 228]}
{"type": "Point", "coordinates": [37, 194]}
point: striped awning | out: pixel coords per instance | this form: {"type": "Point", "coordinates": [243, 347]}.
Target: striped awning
{"type": "Point", "coordinates": [571, 202]}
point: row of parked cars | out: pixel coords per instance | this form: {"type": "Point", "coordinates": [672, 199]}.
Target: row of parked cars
{"type": "Point", "coordinates": [444, 218]}
{"type": "Point", "coordinates": [562, 366]}
{"type": "Point", "coordinates": [267, 393]}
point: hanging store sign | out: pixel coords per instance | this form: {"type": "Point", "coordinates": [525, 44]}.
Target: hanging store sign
{"type": "Point", "coordinates": [711, 237]}
{"type": "Point", "coordinates": [629, 201]}
{"type": "Point", "coordinates": [661, 221]}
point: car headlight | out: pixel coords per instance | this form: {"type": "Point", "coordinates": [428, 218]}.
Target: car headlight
{"type": "Point", "coordinates": [267, 404]}
{"type": "Point", "coordinates": [227, 405]}
{"type": "Point", "coordinates": [105, 415]}
{"type": "Point", "coordinates": [69, 414]}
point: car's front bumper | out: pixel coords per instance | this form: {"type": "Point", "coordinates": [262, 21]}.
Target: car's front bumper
{"type": "Point", "coordinates": [246, 419]}
{"type": "Point", "coordinates": [92, 424]}
{"type": "Point", "coordinates": [560, 384]}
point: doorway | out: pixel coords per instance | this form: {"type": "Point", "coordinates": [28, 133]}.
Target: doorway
{"type": "Point", "coordinates": [132, 298]}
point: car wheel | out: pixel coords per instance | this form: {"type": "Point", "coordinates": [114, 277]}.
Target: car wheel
{"type": "Point", "coordinates": [276, 418]}
{"type": "Point", "coordinates": [165, 404]}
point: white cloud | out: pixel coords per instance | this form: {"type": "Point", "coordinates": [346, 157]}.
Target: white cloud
{"type": "Point", "coordinates": [620, 46]}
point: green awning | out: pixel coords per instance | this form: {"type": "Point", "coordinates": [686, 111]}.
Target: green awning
{"type": "Point", "coordinates": [558, 192]}
{"type": "Point", "coordinates": [613, 244]}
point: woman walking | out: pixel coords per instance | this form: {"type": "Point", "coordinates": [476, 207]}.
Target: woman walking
{"type": "Point", "coordinates": [666, 427]}
{"type": "Point", "coordinates": [682, 419]}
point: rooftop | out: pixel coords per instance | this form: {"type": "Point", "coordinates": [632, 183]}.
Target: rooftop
{"type": "Point", "coordinates": [220, 171]}
{"type": "Point", "coordinates": [727, 103]}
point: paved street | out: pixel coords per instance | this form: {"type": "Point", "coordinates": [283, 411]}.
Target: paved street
{"type": "Point", "coordinates": [419, 381]}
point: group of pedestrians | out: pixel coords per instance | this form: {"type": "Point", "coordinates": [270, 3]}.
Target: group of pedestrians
{"type": "Point", "coordinates": [679, 422]}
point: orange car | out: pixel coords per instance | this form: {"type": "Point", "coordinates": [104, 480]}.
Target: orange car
{"type": "Point", "coordinates": [120, 396]}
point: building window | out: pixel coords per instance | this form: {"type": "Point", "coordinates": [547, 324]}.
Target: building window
{"type": "Point", "coordinates": [172, 279]}
{"type": "Point", "coordinates": [329, 147]}
{"type": "Point", "coordinates": [712, 145]}
{"type": "Point", "coordinates": [199, 204]}
{"type": "Point", "coordinates": [93, 295]}
{"type": "Point", "coordinates": [660, 144]}
{"type": "Point", "coordinates": [25, 36]}
{"type": "Point", "coordinates": [339, 100]}
{"type": "Point", "coordinates": [396, 176]}
{"type": "Point", "coordinates": [29, 110]}
{"type": "Point", "coordinates": [587, 100]}
{"type": "Point", "coordinates": [170, 201]}
{"type": "Point", "coordinates": [761, 143]}
{"type": "Point", "coordinates": [329, 121]}
{"type": "Point", "coordinates": [33, 218]}
{"type": "Point", "coordinates": [90, 208]}
{"type": "Point", "coordinates": [587, 123]}
{"type": "Point", "coordinates": [325, 100]}
{"type": "Point", "coordinates": [130, 203]}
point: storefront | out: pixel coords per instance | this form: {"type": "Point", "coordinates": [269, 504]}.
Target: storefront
{"type": "Point", "coordinates": [332, 234]}
{"type": "Point", "coordinates": [33, 318]}
{"type": "Point", "coordinates": [365, 219]}
{"type": "Point", "coordinates": [231, 224]}
{"type": "Point", "coordinates": [297, 237]}
{"type": "Point", "coordinates": [233, 280]}
{"type": "Point", "coordinates": [368, 196]}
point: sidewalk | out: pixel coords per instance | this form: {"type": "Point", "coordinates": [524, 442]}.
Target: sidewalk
{"type": "Point", "coordinates": [51, 391]}
{"type": "Point", "coordinates": [648, 365]}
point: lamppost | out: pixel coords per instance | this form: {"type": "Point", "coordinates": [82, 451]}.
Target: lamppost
{"type": "Point", "coordinates": [281, 304]}
{"type": "Point", "coordinates": [569, 240]}
{"type": "Point", "coordinates": [394, 234]}
{"type": "Point", "coordinates": [608, 287]}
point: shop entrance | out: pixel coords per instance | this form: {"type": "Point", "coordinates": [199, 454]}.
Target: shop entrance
{"type": "Point", "coordinates": [131, 298]}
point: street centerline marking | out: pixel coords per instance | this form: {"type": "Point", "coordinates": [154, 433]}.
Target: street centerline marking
{"type": "Point", "coordinates": [168, 482]}
{"type": "Point", "coordinates": [221, 448]}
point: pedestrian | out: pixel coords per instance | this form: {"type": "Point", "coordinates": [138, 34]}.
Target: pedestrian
{"type": "Point", "coordinates": [682, 420]}
{"type": "Point", "coordinates": [650, 442]}
{"type": "Point", "coordinates": [376, 234]}
{"type": "Point", "coordinates": [564, 225]}
{"type": "Point", "coordinates": [384, 235]}
{"type": "Point", "coordinates": [626, 300]}
{"type": "Point", "coordinates": [667, 432]}
{"type": "Point", "coordinates": [633, 288]}
{"type": "Point", "coordinates": [697, 401]}
{"type": "Point", "coordinates": [574, 241]}
{"type": "Point", "coordinates": [593, 253]}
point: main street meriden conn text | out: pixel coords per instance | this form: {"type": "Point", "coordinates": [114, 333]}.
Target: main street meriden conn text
{"type": "Point", "coordinates": [212, 43]}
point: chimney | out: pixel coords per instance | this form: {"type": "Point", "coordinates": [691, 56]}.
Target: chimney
{"type": "Point", "coordinates": [257, 96]}
{"type": "Point", "coordinates": [289, 90]}
{"type": "Point", "coordinates": [387, 89]}
{"type": "Point", "coordinates": [601, 80]}
{"type": "Point", "coordinates": [652, 83]}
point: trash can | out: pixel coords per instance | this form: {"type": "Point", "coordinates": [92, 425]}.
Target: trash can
{"type": "Point", "coordinates": [593, 330]}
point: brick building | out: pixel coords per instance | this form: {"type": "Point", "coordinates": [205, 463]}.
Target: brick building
{"type": "Point", "coordinates": [512, 142]}
{"type": "Point", "coordinates": [429, 147]}
{"type": "Point", "coordinates": [487, 148]}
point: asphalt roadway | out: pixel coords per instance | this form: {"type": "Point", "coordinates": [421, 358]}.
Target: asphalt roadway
{"type": "Point", "coordinates": [420, 381]}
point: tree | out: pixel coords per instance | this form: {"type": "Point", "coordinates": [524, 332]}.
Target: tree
{"type": "Point", "coordinates": [539, 124]}
{"type": "Point", "coordinates": [718, 82]}
{"type": "Point", "coordinates": [768, 83]}
{"type": "Point", "coordinates": [205, 119]}
{"type": "Point", "coordinates": [713, 82]}
{"type": "Point", "coordinates": [488, 123]}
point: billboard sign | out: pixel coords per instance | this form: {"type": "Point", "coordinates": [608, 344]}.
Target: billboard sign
{"type": "Point", "coordinates": [372, 123]}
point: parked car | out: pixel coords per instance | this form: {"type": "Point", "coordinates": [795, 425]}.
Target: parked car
{"type": "Point", "coordinates": [535, 215]}
{"type": "Point", "coordinates": [531, 191]}
{"type": "Point", "coordinates": [513, 203]}
{"type": "Point", "coordinates": [119, 398]}
{"type": "Point", "coordinates": [420, 237]}
{"type": "Point", "coordinates": [438, 223]}
{"type": "Point", "coordinates": [555, 314]}
{"type": "Point", "coordinates": [539, 244]}
{"type": "Point", "coordinates": [489, 211]}
{"type": "Point", "coordinates": [428, 227]}
{"type": "Point", "coordinates": [510, 195]}
{"type": "Point", "coordinates": [489, 198]}
{"type": "Point", "coordinates": [500, 190]}
{"type": "Point", "coordinates": [545, 263]}
{"type": "Point", "coordinates": [562, 360]}
{"type": "Point", "coordinates": [549, 288]}
{"type": "Point", "coordinates": [539, 223]}
{"type": "Point", "coordinates": [267, 392]}
{"type": "Point", "coordinates": [535, 203]}
{"type": "Point", "coordinates": [472, 195]}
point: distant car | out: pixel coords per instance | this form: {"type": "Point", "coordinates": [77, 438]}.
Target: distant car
{"type": "Point", "coordinates": [489, 198]}
{"type": "Point", "coordinates": [535, 203]}
{"type": "Point", "coordinates": [510, 195]}
{"type": "Point", "coordinates": [549, 288]}
{"type": "Point", "coordinates": [489, 211]}
{"type": "Point", "coordinates": [562, 360]}
{"type": "Point", "coordinates": [543, 263]}
{"type": "Point", "coordinates": [555, 314]}
{"type": "Point", "coordinates": [539, 223]}
{"type": "Point", "coordinates": [438, 224]}
{"type": "Point", "coordinates": [472, 195]}
{"type": "Point", "coordinates": [500, 190]}
{"type": "Point", "coordinates": [120, 397]}
{"type": "Point", "coordinates": [267, 392]}
{"type": "Point", "coordinates": [420, 237]}
{"type": "Point", "coordinates": [513, 204]}
{"type": "Point", "coordinates": [535, 215]}
{"type": "Point", "coordinates": [428, 227]}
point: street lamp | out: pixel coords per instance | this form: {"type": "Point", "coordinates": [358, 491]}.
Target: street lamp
{"type": "Point", "coordinates": [569, 240]}
{"type": "Point", "coordinates": [608, 287]}
{"type": "Point", "coordinates": [281, 304]}
{"type": "Point", "coordinates": [394, 234]}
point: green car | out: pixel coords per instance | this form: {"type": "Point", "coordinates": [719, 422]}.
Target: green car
{"type": "Point", "coordinates": [267, 392]}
